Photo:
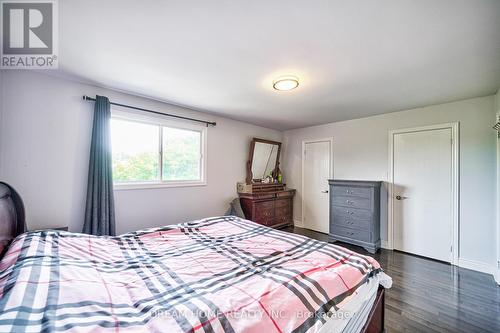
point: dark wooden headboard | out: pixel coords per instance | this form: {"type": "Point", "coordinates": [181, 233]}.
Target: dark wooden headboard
{"type": "Point", "coordinates": [12, 218]}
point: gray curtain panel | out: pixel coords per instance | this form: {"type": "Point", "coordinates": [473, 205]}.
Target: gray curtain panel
{"type": "Point", "coordinates": [100, 208]}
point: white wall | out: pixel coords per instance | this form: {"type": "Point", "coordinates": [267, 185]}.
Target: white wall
{"type": "Point", "coordinates": [361, 152]}
{"type": "Point", "coordinates": [44, 145]}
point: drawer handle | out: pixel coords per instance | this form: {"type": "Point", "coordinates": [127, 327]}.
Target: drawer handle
{"type": "Point", "coordinates": [350, 233]}
{"type": "Point", "coordinates": [349, 212]}
{"type": "Point", "coordinates": [349, 202]}
{"type": "Point", "coordinates": [349, 222]}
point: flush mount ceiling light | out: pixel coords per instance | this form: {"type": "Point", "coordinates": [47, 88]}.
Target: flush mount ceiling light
{"type": "Point", "coordinates": [285, 83]}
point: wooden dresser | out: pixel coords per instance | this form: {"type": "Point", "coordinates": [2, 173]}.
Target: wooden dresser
{"type": "Point", "coordinates": [355, 213]}
{"type": "Point", "coordinates": [270, 205]}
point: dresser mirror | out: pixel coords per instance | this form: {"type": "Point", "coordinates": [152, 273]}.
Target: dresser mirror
{"type": "Point", "coordinates": [263, 160]}
{"type": "Point", "coordinates": [264, 197]}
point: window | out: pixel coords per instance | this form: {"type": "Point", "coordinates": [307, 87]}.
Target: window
{"type": "Point", "coordinates": [153, 152]}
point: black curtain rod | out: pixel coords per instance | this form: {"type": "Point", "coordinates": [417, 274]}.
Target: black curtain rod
{"type": "Point", "coordinates": [213, 123]}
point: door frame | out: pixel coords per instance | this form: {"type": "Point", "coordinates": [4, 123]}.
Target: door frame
{"type": "Point", "coordinates": [303, 154]}
{"type": "Point", "coordinates": [455, 189]}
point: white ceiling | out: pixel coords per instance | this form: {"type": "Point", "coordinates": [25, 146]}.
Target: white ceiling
{"type": "Point", "coordinates": [354, 58]}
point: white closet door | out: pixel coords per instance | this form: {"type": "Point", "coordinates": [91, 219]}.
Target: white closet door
{"type": "Point", "coordinates": [317, 166]}
{"type": "Point", "coordinates": [423, 193]}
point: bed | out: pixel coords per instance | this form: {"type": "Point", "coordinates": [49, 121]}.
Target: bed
{"type": "Point", "coordinates": [219, 274]}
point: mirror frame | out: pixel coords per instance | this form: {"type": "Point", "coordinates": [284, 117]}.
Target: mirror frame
{"type": "Point", "coordinates": [249, 179]}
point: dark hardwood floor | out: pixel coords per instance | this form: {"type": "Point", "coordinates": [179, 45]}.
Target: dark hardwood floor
{"type": "Point", "coordinates": [432, 296]}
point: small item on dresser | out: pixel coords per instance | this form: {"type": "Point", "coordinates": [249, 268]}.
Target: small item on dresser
{"type": "Point", "coordinates": [355, 213]}
{"type": "Point", "coordinates": [277, 175]}
{"type": "Point", "coordinates": [280, 177]}
{"type": "Point", "coordinates": [242, 187]}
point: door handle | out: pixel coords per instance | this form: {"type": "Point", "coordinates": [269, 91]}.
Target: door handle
{"type": "Point", "coordinates": [398, 197]}
{"type": "Point", "coordinates": [324, 191]}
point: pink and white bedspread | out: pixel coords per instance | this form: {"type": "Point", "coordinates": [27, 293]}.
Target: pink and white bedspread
{"type": "Point", "coordinates": [220, 274]}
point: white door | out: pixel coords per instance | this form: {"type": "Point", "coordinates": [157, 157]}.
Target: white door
{"type": "Point", "coordinates": [423, 193]}
{"type": "Point", "coordinates": [317, 171]}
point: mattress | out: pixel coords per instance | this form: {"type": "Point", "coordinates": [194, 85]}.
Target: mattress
{"type": "Point", "coordinates": [220, 274]}
{"type": "Point", "coordinates": [353, 315]}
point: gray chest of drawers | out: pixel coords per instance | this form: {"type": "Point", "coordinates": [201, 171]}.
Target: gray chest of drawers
{"type": "Point", "coordinates": [355, 213]}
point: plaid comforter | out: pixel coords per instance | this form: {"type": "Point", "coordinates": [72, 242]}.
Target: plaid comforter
{"type": "Point", "coordinates": [220, 274]}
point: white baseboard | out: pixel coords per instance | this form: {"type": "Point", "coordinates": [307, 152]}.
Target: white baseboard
{"type": "Point", "coordinates": [479, 266]}
{"type": "Point", "coordinates": [298, 223]}
{"type": "Point", "coordinates": [385, 245]}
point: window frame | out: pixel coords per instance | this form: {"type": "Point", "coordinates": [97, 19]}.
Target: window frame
{"type": "Point", "coordinates": [163, 122]}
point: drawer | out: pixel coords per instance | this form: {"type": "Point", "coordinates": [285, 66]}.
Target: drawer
{"type": "Point", "coordinates": [353, 202]}
{"type": "Point", "coordinates": [283, 211]}
{"type": "Point", "coordinates": [286, 194]}
{"type": "Point", "coordinates": [360, 235]}
{"type": "Point", "coordinates": [263, 205]}
{"type": "Point", "coordinates": [282, 203]}
{"type": "Point", "coordinates": [264, 221]}
{"type": "Point", "coordinates": [352, 212]}
{"type": "Point", "coordinates": [264, 214]}
{"type": "Point", "coordinates": [280, 220]}
{"type": "Point", "coordinates": [352, 222]}
{"type": "Point", "coordinates": [351, 191]}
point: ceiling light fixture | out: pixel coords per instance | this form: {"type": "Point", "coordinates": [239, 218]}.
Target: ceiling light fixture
{"type": "Point", "coordinates": [285, 83]}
